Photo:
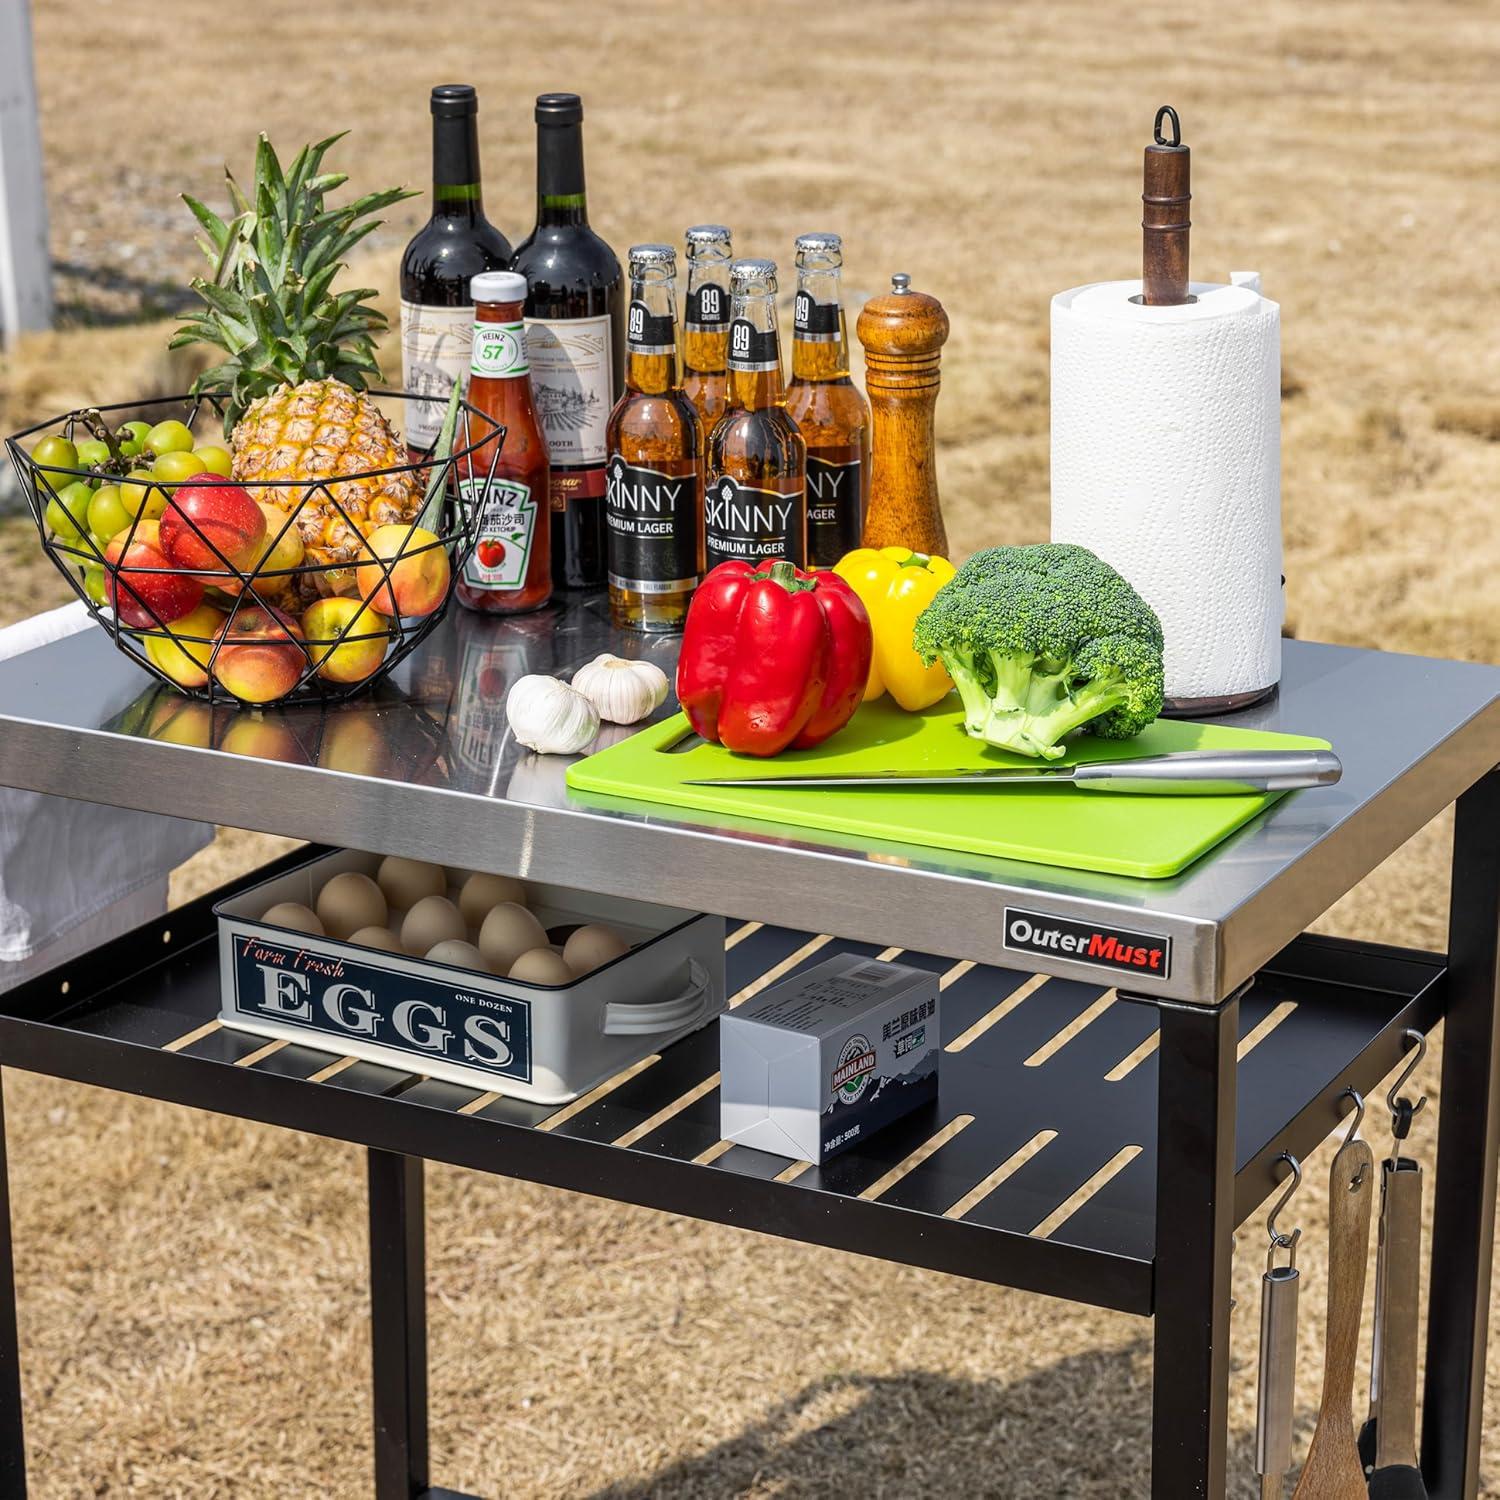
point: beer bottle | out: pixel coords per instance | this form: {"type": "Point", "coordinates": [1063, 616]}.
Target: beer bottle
{"type": "Point", "coordinates": [755, 501]}
{"type": "Point", "coordinates": [705, 324]}
{"type": "Point", "coordinates": [826, 405]}
{"type": "Point", "coordinates": [653, 496]}
{"type": "Point", "coordinates": [510, 568]}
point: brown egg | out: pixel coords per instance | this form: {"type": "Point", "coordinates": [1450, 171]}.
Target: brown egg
{"type": "Point", "coordinates": [508, 932]}
{"type": "Point", "coordinates": [295, 915]}
{"type": "Point", "coordinates": [407, 881]}
{"type": "Point", "coordinates": [378, 937]}
{"type": "Point", "coordinates": [351, 901]}
{"type": "Point", "coordinates": [482, 892]}
{"type": "Point", "coordinates": [460, 954]}
{"type": "Point", "coordinates": [593, 946]}
{"type": "Point", "coordinates": [542, 966]}
{"type": "Point", "coordinates": [434, 919]}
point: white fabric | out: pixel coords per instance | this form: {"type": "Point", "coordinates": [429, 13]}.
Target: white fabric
{"type": "Point", "coordinates": [1166, 461]}
{"type": "Point", "coordinates": [64, 863]}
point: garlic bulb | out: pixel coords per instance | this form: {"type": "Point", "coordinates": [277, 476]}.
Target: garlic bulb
{"type": "Point", "coordinates": [623, 691]}
{"type": "Point", "coordinates": [547, 715]}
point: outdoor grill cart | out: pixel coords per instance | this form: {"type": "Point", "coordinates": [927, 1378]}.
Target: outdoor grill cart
{"type": "Point", "coordinates": [1177, 1141]}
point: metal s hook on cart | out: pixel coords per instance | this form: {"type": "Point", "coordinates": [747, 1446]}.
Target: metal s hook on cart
{"type": "Point", "coordinates": [1352, 1135]}
{"type": "Point", "coordinates": [1279, 1240]}
{"type": "Point", "coordinates": [1403, 1111]}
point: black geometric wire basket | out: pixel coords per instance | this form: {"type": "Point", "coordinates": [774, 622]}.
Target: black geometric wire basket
{"type": "Point", "coordinates": [209, 586]}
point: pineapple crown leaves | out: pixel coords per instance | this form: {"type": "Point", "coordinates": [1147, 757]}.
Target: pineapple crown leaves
{"type": "Point", "coordinates": [270, 303]}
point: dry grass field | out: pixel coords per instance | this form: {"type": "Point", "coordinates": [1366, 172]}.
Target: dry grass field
{"type": "Point", "coordinates": [192, 1298]}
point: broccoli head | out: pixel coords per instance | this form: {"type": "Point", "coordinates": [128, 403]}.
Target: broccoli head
{"type": "Point", "coordinates": [1041, 641]}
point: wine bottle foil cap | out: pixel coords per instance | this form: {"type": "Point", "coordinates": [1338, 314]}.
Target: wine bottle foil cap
{"type": "Point", "coordinates": [652, 255]}
{"type": "Point", "coordinates": [498, 286]}
{"type": "Point", "coordinates": [708, 234]}
{"type": "Point", "coordinates": [818, 244]}
{"type": "Point", "coordinates": [559, 109]}
{"type": "Point", "coordinates": [455, 99]}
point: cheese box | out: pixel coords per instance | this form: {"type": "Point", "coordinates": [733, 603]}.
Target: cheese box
{"type": "Point", "coordinates": [826, 1058]}
{"type": "Point", "coordinates": [547, 1043]}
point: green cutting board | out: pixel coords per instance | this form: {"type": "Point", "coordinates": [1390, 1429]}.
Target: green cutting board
{"type": "Point", "coordinates": [1118, 833]}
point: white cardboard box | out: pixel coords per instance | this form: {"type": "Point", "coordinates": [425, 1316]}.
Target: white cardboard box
{"type": "Point", "coordinates": [821, 1061]}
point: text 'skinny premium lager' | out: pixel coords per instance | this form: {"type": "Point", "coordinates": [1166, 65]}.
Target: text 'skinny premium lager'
{"type": "Point", "coordinates": [653, 497]}
{"type": "Point", "coordinates": [755, 500]}
{"type": "Point", "coordinates": [826, 405]}
{"type": "Point", "coordinates": [705, 325]}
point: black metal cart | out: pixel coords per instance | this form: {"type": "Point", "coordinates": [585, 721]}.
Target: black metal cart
{"type": "Point", "coordinates": [1169, 1106]}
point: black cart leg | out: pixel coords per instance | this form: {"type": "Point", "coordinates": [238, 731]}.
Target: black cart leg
{"type": "Point", "coordinates": [1463, 1228]}
{"type": "Point", "coordinates": [1194, 1245]}
{"type": "Point", "coordinates": [398, 1324]}
{"type": "Point", "coordinates": [12, 1443]}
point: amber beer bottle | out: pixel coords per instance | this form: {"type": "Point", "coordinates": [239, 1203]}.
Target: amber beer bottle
{"type": "Point", "coordinates": [755, 500]}
{"type": "Point", "coordinates": [705, 326]}
{"type": "Point", "coordinates": [510, 568]}
{"type": "Point", "coordinates": [653, 495]}
{"type": "Point", "coordinates": [826, 405]}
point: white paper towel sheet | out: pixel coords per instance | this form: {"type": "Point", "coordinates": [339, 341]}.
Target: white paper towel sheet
{"type": "Point", "coordinates": [1166, 461]}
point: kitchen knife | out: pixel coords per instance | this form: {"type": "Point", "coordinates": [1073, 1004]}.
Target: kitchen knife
{"type": "Point", "coordinates": [1181, 773]}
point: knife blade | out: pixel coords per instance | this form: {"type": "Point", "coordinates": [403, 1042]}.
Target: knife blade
{"type": "Point", "coordinates": [1179, 773]}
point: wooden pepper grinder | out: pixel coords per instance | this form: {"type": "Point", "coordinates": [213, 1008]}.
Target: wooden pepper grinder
{"type": "Point", "coordinates": [903, 335]}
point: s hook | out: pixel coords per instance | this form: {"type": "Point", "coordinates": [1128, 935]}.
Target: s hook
{"type": "Point", "coordinates": [1403, 1111]}
{"type": "Point", "coordinates": [1279, 1239]}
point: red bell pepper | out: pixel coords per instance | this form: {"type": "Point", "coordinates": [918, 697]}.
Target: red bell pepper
{"type": "Point", "coordinates": [772, 657]}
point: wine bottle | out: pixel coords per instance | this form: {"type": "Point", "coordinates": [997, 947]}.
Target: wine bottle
{"type": "Point", "coordinates": [575, 340]}
{"type": "Point", "coordinates": [456, 244]}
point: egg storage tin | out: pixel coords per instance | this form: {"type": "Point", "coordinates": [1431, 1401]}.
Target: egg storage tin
{"type": "Point", "coordinates": [546, 1043]}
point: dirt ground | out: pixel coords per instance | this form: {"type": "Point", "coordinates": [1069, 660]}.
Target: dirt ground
{"type": "Point", "coordinates": [192, 1300]}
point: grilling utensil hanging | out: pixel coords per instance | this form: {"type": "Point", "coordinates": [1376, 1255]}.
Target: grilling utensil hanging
{"type": "Point", "coordinates": [1278, 1348]}
{"type": "Point", "coordinates": [1388, 1441]}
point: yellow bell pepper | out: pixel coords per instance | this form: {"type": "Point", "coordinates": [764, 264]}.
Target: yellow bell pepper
{"type": "Point", "coordinates": [895, 585]}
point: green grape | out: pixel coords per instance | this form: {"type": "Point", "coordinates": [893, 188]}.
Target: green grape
{"type": "Point", "coordinates": [107, 513]}
{"type": "Point", "coordinates": [55, 453]}
{"type": "Point", "coordinates": [173, 468]}
{"type": "Point", "coordinates": [141, 496]}
{"type": "Point", "coordinates": [169, 437]}
{"type": "Point", "coordinates": [92, 453]}
{"type": "Point", "coordinates": [215, 459]}
{"type": "Point", "coordinates": [132, 438]}
{"type": "Point", "coordinates": [67, 513]}
{"type": "Point", "coordinates": [93, 582]}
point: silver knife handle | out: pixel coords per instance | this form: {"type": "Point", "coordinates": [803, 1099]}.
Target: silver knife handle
{"type": "Point", "coordinates": [1209, 772]}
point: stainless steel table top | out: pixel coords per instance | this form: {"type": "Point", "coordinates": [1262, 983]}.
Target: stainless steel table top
{"type": "Point", "coordinates": [424, 766]}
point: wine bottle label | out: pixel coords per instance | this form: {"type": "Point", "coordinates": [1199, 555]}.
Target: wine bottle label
{"type": "Point", "coordinates": [499, 350]}
{"type": "Point", "coordinates": [707, 309]}
{"type": "Point", "coordinates": [652, 519]}
{"type": "Point", "coordinates": [504, 512]}
{"type": "Point", "coordinates": [435, 356]}
{"type": "Point", "coordinates": [647, 332]}
{"type": "Point", "coordinates": [572, 385]}
{"type": "Point", "coordinates": [752, 349]}
{"type": "Point", "coordinates": [834, 521]}
{"type": "Point", "coordinates": [815, 322]}
{"type": "Point", "coordinates": [746, 523]}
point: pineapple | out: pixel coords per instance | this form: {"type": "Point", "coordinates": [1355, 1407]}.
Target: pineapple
{"type": "Point", "coordinates": [299, 358]}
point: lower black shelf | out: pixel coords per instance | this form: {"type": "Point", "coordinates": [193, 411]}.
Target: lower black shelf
{"type": "Point", "coordinates": [1035, 1168]}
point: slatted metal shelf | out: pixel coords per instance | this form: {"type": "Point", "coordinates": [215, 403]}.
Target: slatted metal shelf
{"type": "Point", "coordinates": [1035, 1168]}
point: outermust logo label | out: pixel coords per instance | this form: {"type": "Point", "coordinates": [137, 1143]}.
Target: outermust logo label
{"type": "Point", "coordinates": [1088, 942]}
{"type": "Point", "coordinates": [856, 1064]}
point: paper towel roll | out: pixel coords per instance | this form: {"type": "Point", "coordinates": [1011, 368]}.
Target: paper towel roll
{"type": "Point", "coordinates": [1166, 461]}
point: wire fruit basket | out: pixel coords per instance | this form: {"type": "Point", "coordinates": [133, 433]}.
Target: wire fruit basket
{"type": "Point", "coordinates": [208, 584]}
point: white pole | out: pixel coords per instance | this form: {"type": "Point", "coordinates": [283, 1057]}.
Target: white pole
{"type": "Point", "coordinates": [25, 258]}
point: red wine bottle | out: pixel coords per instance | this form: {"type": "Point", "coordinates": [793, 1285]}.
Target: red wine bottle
{"type": "Point", "coordinates": [454, 246]}
{"type": "Point", "coordinates": [575, 340]}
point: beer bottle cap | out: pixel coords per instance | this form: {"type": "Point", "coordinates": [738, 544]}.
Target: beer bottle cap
{"type": "Point", "coordinates": [708, 234]}
{"type": "Point", "coordinates": [652, 255]}
{"type": "Point", "coordinates": [498, 286]}
{"type": "Point", "coordinates": [743, 271]}
{"type": "Point", "coordinates": [559, 109]}
{"type": "Point", "coordinates": [819, 244]}
{"type": "Point", "coordinates": [455, 99]}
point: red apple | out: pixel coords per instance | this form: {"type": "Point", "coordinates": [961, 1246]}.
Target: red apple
{"type": "Point", "coordinates": [262, 657]}
{"type": "Point", "coordinates": [147, 599]}
{"type": "Point", "coordinates": [213, 526]}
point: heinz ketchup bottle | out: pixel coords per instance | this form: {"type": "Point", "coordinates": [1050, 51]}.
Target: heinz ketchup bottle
{"type": "Point", "coordinates": [510, 568]}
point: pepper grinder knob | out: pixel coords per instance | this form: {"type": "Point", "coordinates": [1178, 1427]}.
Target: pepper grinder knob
{"type": "Point", "coordinates": [903, 333]}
